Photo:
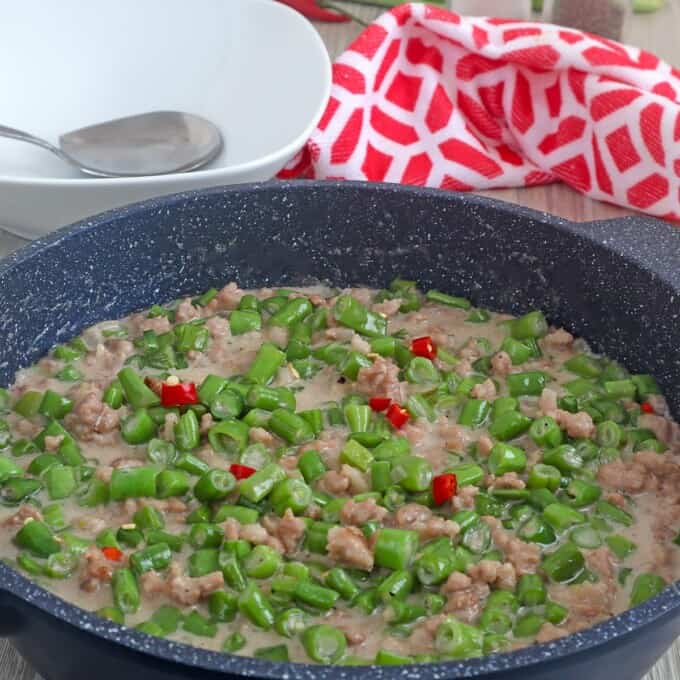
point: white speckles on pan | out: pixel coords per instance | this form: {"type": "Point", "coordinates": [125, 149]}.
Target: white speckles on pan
{"type": "Point", "coordinates": [615, 283]}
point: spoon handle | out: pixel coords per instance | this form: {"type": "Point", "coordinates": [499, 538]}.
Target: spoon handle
{"type": "Point", "coordinates": [13, 133]}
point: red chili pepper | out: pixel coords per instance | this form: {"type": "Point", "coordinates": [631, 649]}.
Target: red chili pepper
{"type": "Point", "coordinates": [646, 407]}
{"type": "Point", "coordinates": [424, 347]}
{"type": "Point", "coordinates": [181, 394]}
{"type": "Point", "coordinates": [112, 554]}
{"type": "Point", "coordinates": [311, 10]}
{"type": "Point", "coordinates": [241, 471]}
{"type": "Point", "coordinates": [379, 403]}
{"type": "Point", "coordinates": [444, 487]}
{"type": "Point", "coordinates": [397, 415]}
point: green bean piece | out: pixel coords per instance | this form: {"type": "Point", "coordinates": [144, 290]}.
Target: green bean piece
{"type": "Point", "coordinates": [356, 455]}
{"type": "Point", "coordinates": [311, 465]}
{"type": "Point", "coordinates": [125, 591]}
{"type": "Point", "coordinates": [23, 447]}
{"type": "Point", "coordinates": [467, 474]}
{"type": "Point", "coordinates": [244, 321]}
{"type": "Point", "coordinates": [154, 557]}
{"type": "Point", "coordinates": [268, 360]}
{"type": "Point", "coordinates": [174, 541]}
{"type": "Point", "coordinates": [531, 590]}
{"type": "Point", "coordinates": [542, 476]}
{"type": "Point", "coordinates": [28, 403]}
{"type": "Point", "coordinates": [136, 482]}
{"type": "Point", "coordinates": [609, 434]}
{"type": "Point", "coordinates": [69, 453]}
{"type": "Point", "coordinates": [565, 458]}
{"type": "Point", "coordinates": [546, 432]}
{"type": "Point", "coordinates": [585, 365]}
{"type": "Point", "coordinates": [395, 548]}
{"type": "Point", "coordinates": [529, 383]}
{"type": "Point", "coordinates": [232, 571]}
{"type": "Point", "coordinates": [53, 516]}
{"type": "Point", "coordinates": [645, 385]}
{"type": "Point", "coordinates": [60, 481]}
{"type": "Point", "coordinates": [351, 313]}
{"type": "Point", "coordinates": [536, 530]}
{"type": "Point", "coordinates": [562, 516]}
{"type": "Point", "coordinates": [239, 513]}
{"type": "Point", "coordinates": [583, 493]}
{"type": "Point", "coordinates": [233, 643]}
{"type": "Point", "coordinates": [509, 425]}
{"type": "Point", "coordinates": [260, 484]}
{"type": "Point", "coordinates": [106, 539]}
{"type": "Point", "coordinates": [204, 535]}
{"type": "Point", "coordinates": [229, 437]}
{"type": "Point", "coordinates": [270, 398]}
{"type": "Point", "coordinates": [528, 625]}
{"type": "Point", "coordinates": [112, 614]}
{"type": "Point", "coordinates": [391, 448]}
{"type": "Point", "coordinates": [291, 494]}
{"type": "Point", "coordinates": [290, 622]}
{"type": "Point", "coordinates": [458, 640]}
{"type": "Point", "coordinates": [137, 394]}
{"type": "Point", "coordinates": [55, 405]}
{"type": "Point", "coordinates": [564, 564]}
{"type": "Point", "coordinates": [214, 485]}
{"type": "Point", "coordinates": [506, 458]}
{"type": "Point", "coordinates": [474, 413]}
{"type": "Point", "coordinates": [204, 561]}
{"type": "Point", "coordinates": [531, 325]}
{"type": "Point", "coordinates": [199, 625]}
{"type": "Point", "coordinates": [171, 483]}
{"type": "Point", "coordinates": [324, 643]}
{"type": "Point", "coordinates": [620, 546]}
{"type": "Point", "coordinates": [37, 538]}
{"type": "Point", "coordinates": [255, 607]}
{"type": "Point", "coordinates": [222, 606]}
{"type": "Point", "coordinates": [262, 562]}
{"type": "Point", "coordinates": [290, 426]}
{"type": "Point", "coordinates": [138, 428]}
{"type": "Point", "coordinates": [613, 513]}
{"type": "Point", "coordinates": [276, 653]}
{"type": "Point", "coordinates": [150, 628]}
{"type": "Point", "coordinates": [645, 587]}
{"type": "Point", "coordinates": [398, 585]}
{"type": "Point", "coordinates": [412, 473]}
{"type": "Point", "coordinates": [167, 618]}
{"type": "Point", "coordinates": [314, 595]}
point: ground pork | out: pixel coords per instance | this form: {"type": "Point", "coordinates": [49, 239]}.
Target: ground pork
{"type": "Point", "coordinates": [358, 344]}
{"type": "Point", "coordinates": [229, 297]}
{"type": "Point", "coordinates": [588, 603]}
{"type": "Point", "coordinates": [547, 402]}
{"type": "Point", "coordinates": [467, 604]}
{"type": "Point", "coordinates": [348, 546]}
{"type": "Point", "coordinates": [508, 480]}
{"type": "Point", "coordinates": [257, 534]}
{"type": "Point", "coordinates": [578, 425]}
{"type": "Point", "coordinates": [501, 364]}
{"type": "Point", "coordinates": [664, 430]}
{"type": "Point", "coordinates": [360, 512]}
{"type": "Point", "coordinates": [387, 307]}
{"type": "Point", "coordinates": [97, 569]}
{"type": "Point", "coordinates": [494, 573]}
{"type": "Point", "coordinates": [484, 445]}
{"type": "Point", "coordinates": [484, 390]}
{"type": "Point", "coordinates": [464, 498]}
{"type": "Point", "coordinates": [93, 420]}
{"type": "Point", "coordinates": [603, 562]}
{"type": "Point", "coordinates": [24, 513]}
{"type": "Point", "coordinates": [288, 529]}
{"type": "Point", "coordinates": [456, 437]}
{"type": "Point", "coordinates": [558, 338]}
{"type": "Point", "coordinates": [525, 557]}
{"type": "Point", "coordinates": [421, 519]}
{"type": "Point", "coordinates": [185, 590]}
{"type": "Point", "coordinates": [218, 327]}
{"type": "Point", "coordinates": [550, 632]}
{"type": "Point", "coordinates": [381, 379]}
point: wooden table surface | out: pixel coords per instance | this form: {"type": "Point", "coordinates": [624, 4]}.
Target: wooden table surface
{"type": "Point", "coordinates": [659, 33]}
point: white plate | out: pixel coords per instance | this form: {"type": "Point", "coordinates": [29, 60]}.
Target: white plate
{"type": "Point", "coordinates": [256, 68]}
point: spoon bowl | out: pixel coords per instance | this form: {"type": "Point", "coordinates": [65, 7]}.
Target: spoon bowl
{"type": "Point", "coordinates": [154, 143]}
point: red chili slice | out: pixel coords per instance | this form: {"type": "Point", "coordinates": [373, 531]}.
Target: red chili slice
{"type": "Point", "coordinates": [112, 554]}
{"type": "Point", "coordinates": [397, 415]}
{"type": "Point", "coordinates": [241, 471]}
{"type": "Point", "coordinates": [444, 487]}
{"type": "Point", "coordinates": [424, 347]}
{"type": "Point", "coordinates": [379, 403]}
{"type": "Point", "coordinates": [646, 407]}
{"type": "Point", "coordinates": [182, 394]}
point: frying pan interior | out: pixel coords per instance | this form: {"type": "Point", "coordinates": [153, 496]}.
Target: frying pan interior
{"type": "Point", "coordinates": [615, 283]}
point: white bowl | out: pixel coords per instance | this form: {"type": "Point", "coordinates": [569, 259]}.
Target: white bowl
{"type": "Point", "coordinates": [255, 68]}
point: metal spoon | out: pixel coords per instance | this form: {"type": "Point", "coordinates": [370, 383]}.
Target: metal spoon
{"type": "Point", "coordinates": [155, 143]}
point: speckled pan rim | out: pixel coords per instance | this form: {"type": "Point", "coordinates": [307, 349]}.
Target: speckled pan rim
{"type": "Point", "coordinates": [616, 628]}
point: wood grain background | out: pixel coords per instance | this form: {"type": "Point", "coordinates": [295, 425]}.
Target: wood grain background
{"type": "Point", "coordinates": [659, 33]}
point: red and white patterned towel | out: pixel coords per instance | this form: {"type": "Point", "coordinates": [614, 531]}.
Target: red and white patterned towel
{"type": "Point", "coordinates": [425, 96]}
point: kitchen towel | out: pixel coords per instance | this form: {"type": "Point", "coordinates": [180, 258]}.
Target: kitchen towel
{"type": "Point", "coordinates": [425, 96]}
